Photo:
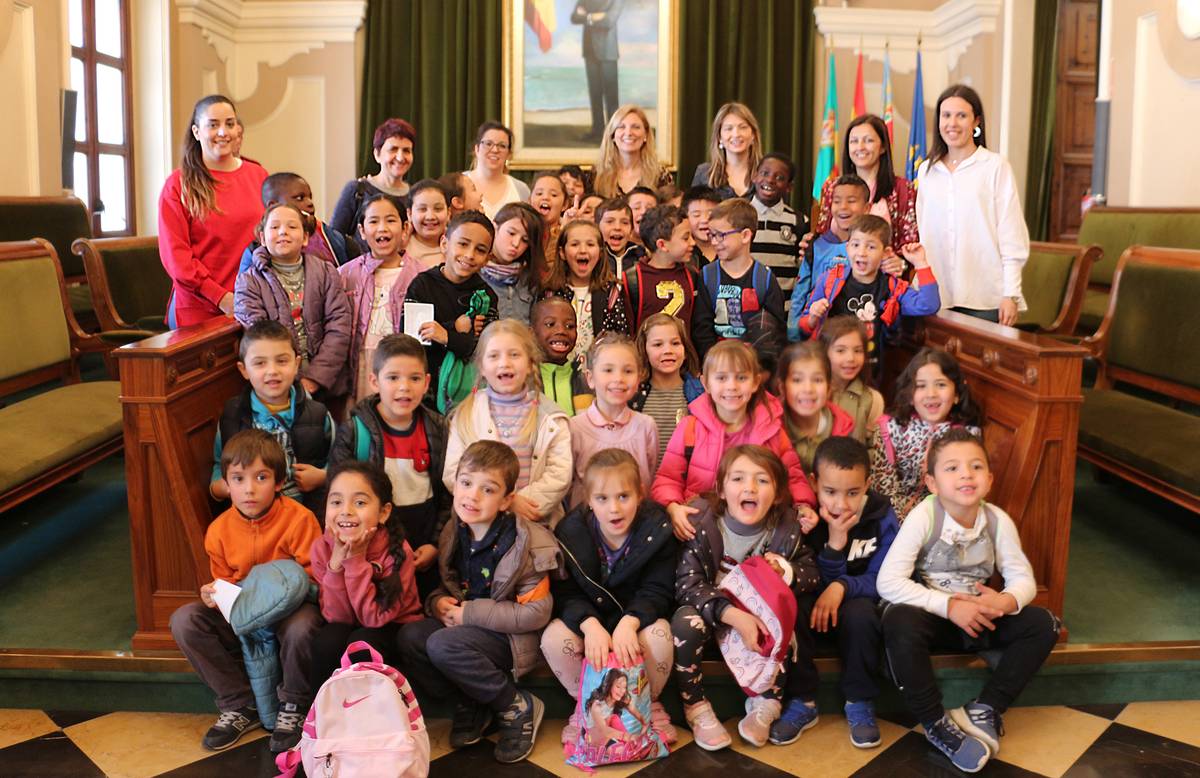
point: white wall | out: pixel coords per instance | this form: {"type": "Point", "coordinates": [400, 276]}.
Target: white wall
{"type": "Point", "coordinates": [33, 63]}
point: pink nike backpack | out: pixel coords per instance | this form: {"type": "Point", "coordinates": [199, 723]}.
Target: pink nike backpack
{"type": "Point", "coordinates": [364, 723]}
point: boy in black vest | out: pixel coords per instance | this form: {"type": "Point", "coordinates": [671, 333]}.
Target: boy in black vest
{"type": "Point", "coordinates": [276, 403]}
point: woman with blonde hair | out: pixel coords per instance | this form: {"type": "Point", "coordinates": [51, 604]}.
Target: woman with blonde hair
{"type": "Point", "coordinates": [734, 151]}
{"type": "Point", "coordinates": [627, 155]}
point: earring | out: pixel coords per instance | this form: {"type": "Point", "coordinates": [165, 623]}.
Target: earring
{"type": "Point", "coordinates": [721, 146]}
{"type": "Point", "coordinates": [978, 131]}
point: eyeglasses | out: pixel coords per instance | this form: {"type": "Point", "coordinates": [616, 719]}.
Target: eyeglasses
{"type": "Point", "coordinates": [491, 144]}
{"type": "Point", "coordinates": [714, 236]}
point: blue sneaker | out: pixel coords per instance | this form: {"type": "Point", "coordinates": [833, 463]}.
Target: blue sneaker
{"type": "Point", "coordinates": [864, 732]}
{"type": "Point", "coordinates": [798, 715]}
{"type": "Point", "coordinates": [981, 721]}
{"type": "Point", "coordinates": [967, 753]}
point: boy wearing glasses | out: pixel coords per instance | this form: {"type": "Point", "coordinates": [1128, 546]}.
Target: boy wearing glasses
{"type": "Point", "coordinates": [738, 297]}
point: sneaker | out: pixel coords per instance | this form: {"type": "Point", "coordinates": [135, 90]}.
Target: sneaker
{"type": "Point", "coordinates": [519, 725]}
{"type": "Point", "coordinates": [967, 753]}
{"type": "Point", "coordinates": [797, 716]}
{"type": "Point", "coordinates": [469, 722]}
{"type": "Point", "coordinates": [660, 722]}
{"type": "Point", "coordinates": [981, 721]}
{"type": "Point", "coordinates": [230, 726]}
{"type": "Point", "coordinates": [287, 727]}
{"type": "Point", "coordinates": [570, 733]}
{"type": "Point", "coordinates": [707, 730]}
{"type": "Point", "coordinates": [864, 731]}
{"type": "Point", "coordinates": [761, 713]}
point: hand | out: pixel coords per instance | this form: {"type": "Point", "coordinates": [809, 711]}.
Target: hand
{"type": "Point", "coordinates": [310, 386]}
{"type": "Point", "coordinates": [807, 516]}
{"type": "Point", "coordinates": [525, 508]}
{"type": "Point", "coordinates": [425, 556]}
{"type": "Point", "coordinates": [805, 242]}
{"type": "Point", "coordinates": [463, 324]}
{"type": "Point", "coordinates": [206, 594]}
{"type": "Point", "coordinates": [625, 641]}
{"type": "Point", "coordinates": [892, 264]}
{"type": "Point", "coordinates": [443, 607]}
{"type": "Point", "coordinates": [337, 555]}
{"type": "Point", "coordinates": [435, 332]}
{"type": "Point", "coordinates": [824, 614]}
{"type": "Point", "coordinates": [839, 528]}
{"type": "Point", "coordinates": [571, 212]}
{"type": "Point", "coordinates": [915, 253]}
{"type": "Point", "coordinates": [226, 304]}
{"type": "Point", "coordinates": [453, 616]}
{"type": "Point", "coordinates": [357, 546]}
{"type": "Point", "coordinates": [597, 643]}
{"type": "Point", "coordinates": [1001, 600]}
{"type": "Point", "coordinates": [971, 616]}
{"type": "Point", "coordinates": [749, 626]}
{"type": "Point", "coordinates": [308, 477]}
{"type": "Point", "coordinates": [480, 322]}
{"type": "Point", "coordinates": [679, 520]}
{"type": "Point", "coordinates": [817, 310]}
{"type": "Point", "coordinates": [774, 563]}
{"type": "Point", "coordinates": [1008, 312]}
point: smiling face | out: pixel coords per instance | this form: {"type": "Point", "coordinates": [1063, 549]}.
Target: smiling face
{"type": "Point", "coordinates": [283, 235]}
{"type": "Point", "coordinates": [505, 364]}
{"type": "Point", "coordinates": [956, 124]}
{"type": "Point", "coordinates": [492, 150]}
{"type": "Point", "coordinates": [934, 394]}
{"type": "Point", "coordinates": [395, 157]}
{"type": "Point", "coordinates": [731, 388]}
{"type": "Point", "coordinates": [630, 134]}
{"type": "Point", "coordinates": [401, 384]}
{"type": "Point", "coordinates": [385, 232]}
{"type": "Point", "coordinates": [806, 388]}
{"type": "Point", "coordinates": [847, 355]}
{"type": "Point", "coordinates": [865, 252]}
{"type": "Point", "coordinates": [614, 376]}
{"type": "Point", "coordinates": [679, 246]}
{"type": "Point", "coordinates": [961, 477]}
{"type": "Point", "coordinates": [429, 213]}
{"type": "Point", "coordinates": [664, 349]}
{"type": "Point", "coordinates": [480, 495]}
{"type": "Point", "coordinates": [555, 328]}
{"type": "Point", "coordinates": [616, 226]}
{"type": "Point", "coordinates": [847, 205]}
{"type": "Point", "coordinates": [840, 492]}
{"type": "Point", "coordinates": [298, 193]}
{"type": "Point", "coordinates": [512, 241]}
{"type": "Point", "coordinates": [465, 251]}
{"type": "Point", "coordinates": [613, 497]}
{"type": "Point", "coordinates": [581, 252]}
{"type": "Point", "coordinates": [353, 509]}
{"type": "Point", "coordinates": [728, 241]}
{"type": "Point", "coordinates": [252, 488]}
{"type": "Point", "coordinates": [697, 215]}
{"type": "Point", "coordinates": [748, 491]}
{"type": "Point", "coordinates": [865, 147]}
{"type": "Point", "coordinates": [217, 129]}
{"type": "Point", "coordinates": [619, 688]}
{"type": "Point", "coordinates": [736, 134]}
{"type": "Point", "coordinates": [548, 198]}
{"type": "Point", "coordinates": [639, 203]}
{"type": "Point", "coordinates": [573, 185]}
{"type": "Point", "coordinates": [772, 181]}
{"type": "Point", "coordinates": [270, 367]}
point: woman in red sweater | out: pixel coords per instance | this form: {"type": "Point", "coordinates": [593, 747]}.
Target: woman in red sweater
{"type": "Point", "coordinates": [207, 213]}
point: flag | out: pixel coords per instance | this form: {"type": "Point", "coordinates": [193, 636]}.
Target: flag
{"type": "Point", "coordinates": [860, 96]}
{"type": "Point", "coordinates": [827, 148]}
{"type": "Point", "coordinates": [539, 15]}
{"type": "Point", "coordinates": [889, 110]}
{"type": "Point", "coordinates": [916, 128]}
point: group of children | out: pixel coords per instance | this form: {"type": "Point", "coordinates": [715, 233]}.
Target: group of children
{"type": "Point", "coordinates": [594, 433]}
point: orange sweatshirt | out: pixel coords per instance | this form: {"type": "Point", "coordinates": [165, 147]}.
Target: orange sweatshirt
{"type": "Point", "coordinates": [236, 544]}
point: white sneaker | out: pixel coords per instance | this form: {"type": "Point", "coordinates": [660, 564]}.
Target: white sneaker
{"type": "Point", "coordinates": [761, 713]}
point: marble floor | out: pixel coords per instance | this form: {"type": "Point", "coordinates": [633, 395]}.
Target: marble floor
{"type": "Point", "coordinates": [1152, 739]}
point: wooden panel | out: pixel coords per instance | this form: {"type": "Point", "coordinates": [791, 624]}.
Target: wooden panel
{"type": "Point", "coordinates": [1075, 115]}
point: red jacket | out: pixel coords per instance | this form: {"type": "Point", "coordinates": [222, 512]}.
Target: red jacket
{"type": "Point", "coordinates": [348, 595]}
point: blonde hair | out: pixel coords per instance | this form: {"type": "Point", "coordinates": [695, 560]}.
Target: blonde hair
{"type": "Point", "coordinates": [691, 362]}
{"type": "Point", "coordinates": [612, 459]}
{"type": "Point", "coordinates": [461, 416]}
{"type": "Point", "coordinates": [739, 356]}
{"type": "Point", "coordinates": [606, 170]}
{"type": "Point", "coordinates": [717, 175]}
{"type": "Point", "coordinates": [610, 340]}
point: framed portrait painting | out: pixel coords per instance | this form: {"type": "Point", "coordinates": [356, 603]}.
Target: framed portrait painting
{"type": "Point", "coordinates": [569, 64]}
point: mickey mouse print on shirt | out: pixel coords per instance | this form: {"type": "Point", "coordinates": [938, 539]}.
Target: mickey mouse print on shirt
{"type": "Point", "coordinates": [864, 302]}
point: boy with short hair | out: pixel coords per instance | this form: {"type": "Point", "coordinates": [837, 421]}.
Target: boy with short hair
{"type": "Point", "coordinates": [392, 428]}
{"type": "Point", "coordinates": [485, 620]}
{"type": "Point", "coordinates": [869, 294]}
{"type": "Point", "coordinates": [641, 199]}
{"type": "Point", "coordinates": [463, 304]}
{"type": "Point", "coordinates": [273, 402]}
{"type": "Point", "coordinates": [777, 239]}
{"type": "Point", "coordinates": [697, 204]}
{"type": "Point", "coordinates": [614, 217]}
{"type": "Point", "coordinates": [738, 298]}
{"type": "Point", "coordinates": [324, 241]}
{"type": "Point", "coordinates": [664, 280]}
{"type": "Point", "coordinates": [556, 330]}
{"type": "Point", "coordinates": [261, 526]}
{"type": "Point", "coordinates": [855, 532]}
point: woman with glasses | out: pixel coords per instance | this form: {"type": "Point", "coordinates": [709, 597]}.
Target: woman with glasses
{"type": "Point", "coordinates": [393, 144]}
{"type": "Point", "coordinates": [489, 169]}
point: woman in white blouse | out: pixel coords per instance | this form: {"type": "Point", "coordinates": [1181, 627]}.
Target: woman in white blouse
{"type": "Point", "coordinates": [489, 171]}
{"type": "Point", "coordinates": [969, 215]}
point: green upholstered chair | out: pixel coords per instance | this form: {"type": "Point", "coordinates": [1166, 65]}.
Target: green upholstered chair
{"type": "Point", "coordinates": [1054, 280]}
{"type": "Point", "coordinates": [48, 436]}
{"type": "Point", "coordinates": [1139, 420]}
{"type": "Point", "coordinates": [60, 220]}
{"type": "Point", "coordinates": [130, 289]}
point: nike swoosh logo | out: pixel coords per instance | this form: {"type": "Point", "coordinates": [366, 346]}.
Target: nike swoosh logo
{"type": "Point", "coordinates": [351, 704]}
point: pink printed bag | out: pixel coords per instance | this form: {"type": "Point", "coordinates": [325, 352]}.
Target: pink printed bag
{"type": "Point", "coordinates": [756, 588]}
{"type": "Point", "coordinates": [364, 723]}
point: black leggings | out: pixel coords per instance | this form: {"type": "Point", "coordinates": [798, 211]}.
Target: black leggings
{"type": "Point", "coordinates": [331, 640]}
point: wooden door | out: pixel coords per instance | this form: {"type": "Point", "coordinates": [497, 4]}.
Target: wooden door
{"type": "Point", "coordinates": [1075, 117]}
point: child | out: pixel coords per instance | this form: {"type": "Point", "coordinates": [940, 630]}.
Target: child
{"type": "Point", "coordinates": [734, 409]}
{"type": "Point", "coordinates": [548, 197]}
{"type": "Point", "coordinates": [739, 297]}
{"type": "Point", "coordinates": [751, 516]}
{"type": "Point", "coordinates": [429, 214]}
{"type": "Point", "coordinates": [261, 526]}
{"type": "Point", "coordinates": [495, 598]}
{"type": "Point", "coordinates": [304, 294]}
{"type": "Point", "coordinates": [664, 280]}
{"type": "Point", "coordinates": [777, 239]}
{"type": "Point", "coordinates": [670, 365]}
{"type": "Point", "coordinates": [669, 194]}
{"type": "Point", "coordinates": [935, 580]}
{"type": "Point", "coordinates": [619, 590]}
{"type": "Point", "coordinates": [303, 428]}
{"type": "Point", "coordinates": [462, 303]}
{"type": "Point", "coordinates": [698, 203]}
{"type": "Point", "coordinates": [640, 199]}
{"type": "Point", "coordinates": [845, 339]}
{"type": "Point", "coordinates": [517, 266]}
{"type": "Point", "coordinates": [392, 429]}
{"type": "Point", "coordinates": [324, 242]}
{"type": "Point", "coordinates": [850, 542]}
{"type": "Point", "coordinates": [575, 181]}
{"type": "Point", "coordinates": [609, 422]}
{"type": "Point", "coordinates": [464, 195]}
{"type": "Point", "coordinates": [802, 380]}
{"type": "Point", "coordinates": [563, 379]}
{"type": "Point", "coordinates": [377, 282]}
{"type": "Point", "coordinates": [615, 220]}
{"type": "Point", "coordinates": [587, 207]}
{"type": "Point", "coordinates": [506, 406]}
{"type": "Point", "coordinates": [588, 284]}
{"type": "Point", "coordinates": [366, 577]}
{"type": "Point", "coordinates": [931, 397]}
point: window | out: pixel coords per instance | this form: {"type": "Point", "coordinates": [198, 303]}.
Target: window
{"type": "Point", "coordinates": [100, 74]}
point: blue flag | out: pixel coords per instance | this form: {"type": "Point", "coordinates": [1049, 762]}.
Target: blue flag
{"type": "Point", "coordinates": [916, 128]}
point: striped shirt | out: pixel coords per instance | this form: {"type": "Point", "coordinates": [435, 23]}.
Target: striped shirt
{"type": "Point", "coordinates": [666, 407]}
{"type": "Point", "coordinates": [777, 241]}
{"type": "Point", "coordinates": [510, 412]}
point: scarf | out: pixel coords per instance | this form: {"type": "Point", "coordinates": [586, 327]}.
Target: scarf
{"type": "Point", "coordinates": [502, 275]}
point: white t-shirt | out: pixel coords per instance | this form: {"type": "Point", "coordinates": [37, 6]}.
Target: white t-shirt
{"type": "Point", "coordinates": [585, 334]}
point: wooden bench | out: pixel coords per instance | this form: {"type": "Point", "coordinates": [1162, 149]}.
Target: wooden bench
{"type": "Point", "coordinates": [59, 220]}
{"type": "Point", "coordinates": [1054, 281]}
{"type": "Point", "coordinates": [1134, 422]}
{"type": "Point", "coordinates": [48, 436]}
{"type": "Point", "coordinates": [130, 289]}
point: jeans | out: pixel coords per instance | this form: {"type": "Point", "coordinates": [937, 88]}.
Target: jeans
{"type": "Point", "coordinates": [452, 662]}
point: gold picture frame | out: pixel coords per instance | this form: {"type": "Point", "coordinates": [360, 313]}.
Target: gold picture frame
{"type": "Point", "coordinates": [547, 101]}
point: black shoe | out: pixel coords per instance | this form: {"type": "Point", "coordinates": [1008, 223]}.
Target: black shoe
{"type": "Point", "coordinates": [468, 724]}
{"type": "Point", "coordinates": [230, 726]}
{"type": "Point", "coordinates": [288, 722]}
{"type": "Point", "coordinates": [519, 728]}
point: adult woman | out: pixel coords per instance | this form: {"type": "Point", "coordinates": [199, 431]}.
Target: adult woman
{"type": "Point", "coordinates": [969, 215]}
{"type": "Point", "coordinates": [627, 155]}
{"type": "Point", "coordinates": [867, 147]}
{"type": "Point", "coordinates": [734, 151]}
{"type": "Point", "coordinates": [207, 213]}
{"type": "Point", "coordinates": [493, 146]}
{"type": "Point", "coordinates": [393, 144]}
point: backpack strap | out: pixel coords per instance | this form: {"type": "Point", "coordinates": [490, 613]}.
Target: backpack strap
{"type": "Point", "coordinates": [689, 442]}
{"type": "Point", "coordinates": [356, 647]}
{"type": "Point", "coordinates": [935, 532]}
{"type": "Point", "coordinates": [633, 293]}
{"type": "Point", "coordinates": [761, 281]}
{"type": "Point", "coordinates": [889, 449]}
{"type": "Point", "coordinates": [362, 440]}
{"type": "Point", "coordinates": [712, 281]}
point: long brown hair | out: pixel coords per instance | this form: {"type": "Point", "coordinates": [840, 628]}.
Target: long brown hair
{"type": "Point", "coordinates": [939, 148]}
{"type": "Point", "coordinates": [691, 362]}
{"type": "Point", "coordinates": [603, 276]}
{"type": "Point", "coordinates": [885, 179]}
{"type": "Point", "coordinates": [767, 460]}
{"type": "Point", "coordinates": [196, 180]}
{"type": "Point", "coordinates": [533, 261]}
{"type": "Point", "coordinates": [717, 175]}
